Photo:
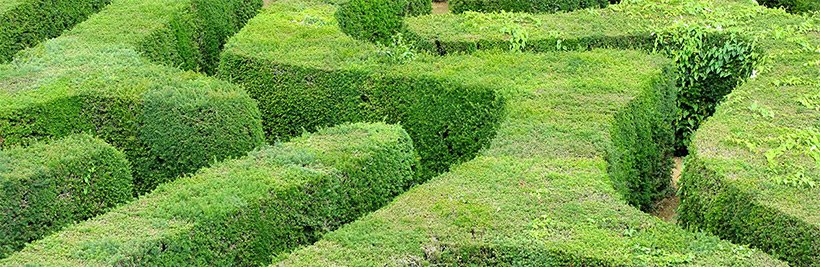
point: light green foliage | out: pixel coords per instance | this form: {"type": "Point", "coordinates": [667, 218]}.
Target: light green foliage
{"type": "Point", "coordinates": [47, 186]}
{"type": "Point", "coordinates": [25, 23]}
{"type": "Point", "coordinates": [242, 211]}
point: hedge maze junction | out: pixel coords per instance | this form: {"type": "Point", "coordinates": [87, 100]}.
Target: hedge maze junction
{"type": "Point", "coordinates": [372, 133]}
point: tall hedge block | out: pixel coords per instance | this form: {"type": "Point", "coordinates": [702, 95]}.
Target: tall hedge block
{"type": "Point", "coordinates": [242, 211]}
{"type": "Point", "coordinates": [528, 6]}
{"type": "Point", "coordinates": [48, 185]}
{"type": "Point", "coordinates": [25, 23]}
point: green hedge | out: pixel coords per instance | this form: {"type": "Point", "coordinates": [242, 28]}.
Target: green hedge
{"type": "Point", "coordinates": [304, 87]}
{"type": "Point", "coordinates": [378, 20]}
{"type": "Point", "coordinates": [94, 79]}
{"type": "Point", "coordinates": [539, 193]}
{"type": "Point", "coordinates": [242, 211]}
{"type": "Point", "coordinates": [46, 186]}
{"type": "Point", "coordinates": [793, 6]}
{"type": "Point", "coordinates": [25, 23]}
{"type": "Point", "coordinates": [768, 116]}
{"type": "Point", "coordinates": [529, 6]}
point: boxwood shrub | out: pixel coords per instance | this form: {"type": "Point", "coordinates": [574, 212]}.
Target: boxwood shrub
{"type": "Point", "coordinates": [242, 211]}
{"type": "Point", "coordinates": [25, 23]}
{"type": "Point", "coordinates": [48, 185]}
{"type": "Point", "coordinates": [97, 79]}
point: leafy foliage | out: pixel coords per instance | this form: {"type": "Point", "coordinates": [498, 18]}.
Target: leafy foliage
{"type": "Point", "coordinates": [528, 6]}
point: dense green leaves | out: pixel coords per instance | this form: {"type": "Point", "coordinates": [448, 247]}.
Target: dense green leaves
{"type": "Point", "coordinates": [47, 186]}
{"type": "Point", "coordinates": [243, 211]}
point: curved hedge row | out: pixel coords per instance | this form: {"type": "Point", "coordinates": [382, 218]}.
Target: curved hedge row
{"type": "Point", "coordinates": [528, 6]}
{"type": "Point", "coordinates": [25, 23]}
{"type": "Point", "coordinates": [752, 169]}
{"type": "Point", "coordinates": [303, 87]}
{"type": "Point", "coordinates": [520, 200]}
{"type": "Point", "coordinates": [46, 186]}
{"type": "Point", "coordinates": [94, 79]}
{"type": "Point", "coordinates": [241, 211]}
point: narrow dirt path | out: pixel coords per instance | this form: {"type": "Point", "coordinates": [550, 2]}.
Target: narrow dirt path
{"type": "Point", "coordinates": [667, 208]}
{"type": "Point", "coordinates": [441, 8]}
{"type": "Point", "coordinates": [266, 2]}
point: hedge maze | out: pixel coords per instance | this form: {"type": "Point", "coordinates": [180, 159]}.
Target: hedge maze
{"type": "Point", "coordinates": [371, 133]}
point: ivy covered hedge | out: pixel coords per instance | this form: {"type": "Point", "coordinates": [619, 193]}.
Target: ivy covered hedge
{"type": "Point", "coordinates": [46, 186]}
{"type": "Point", "coordinates": [528, 6]}
{"type": "Point", "coordinates": [242, 211]}
{"type": "Point", "coordinates": [96, 79]}
{"type": "Point", "coordinates": [538, 193]}
{"type": "Point", "coordinates": [752, 176]}
{"type": "Point", "coordinates": [25, 23]}
{"type": "Point", "coordinates": [307, 86]}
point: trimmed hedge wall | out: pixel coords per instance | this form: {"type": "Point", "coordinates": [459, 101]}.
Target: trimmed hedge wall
{"type": "Point", "coordinates": [46, 186]}
{"type": "Point", "coordinates": [753, 142]}
{"type": "Point", "coordinates": [528, 6]}
{"type": "Point", "coordinates": [241, 211]}
{"type": "Point", "coordinates": [25, 23]}
{"type": "Point", "coordinates": [522, 196]}
{"type": "Point", "coordinates": [303, 87]}
{"type": "Point", "coordinates": [93, 79]}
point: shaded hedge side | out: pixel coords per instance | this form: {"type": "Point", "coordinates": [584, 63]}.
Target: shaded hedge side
{"type": "Point", "coordinates": [47, 186]}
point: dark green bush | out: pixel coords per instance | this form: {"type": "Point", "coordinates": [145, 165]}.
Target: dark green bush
{"type": "Point", "coordinates": [47, 186]}
{"type": "Point", "coordinates": [529, 6]}
{"type": "Point", "coordinates": [240, 212]}
{"type": "Point", "coordinates": [25, 23]}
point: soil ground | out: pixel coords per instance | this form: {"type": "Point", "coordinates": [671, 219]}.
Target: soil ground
{"type": "Point", "coordinates": [441, 8]}
{"type": "Point", "coordinates": [666, 209]}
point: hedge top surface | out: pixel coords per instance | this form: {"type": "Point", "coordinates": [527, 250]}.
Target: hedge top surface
{"type": "Point", "coordinates": [220, 192]}
{"type": "Point", "coordinates": [547, 158]}
{"type": "Point", "coordinates": [773, 115]}
{"type": "Point", "coordinates": [21, 162]}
